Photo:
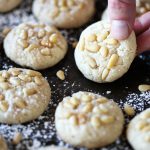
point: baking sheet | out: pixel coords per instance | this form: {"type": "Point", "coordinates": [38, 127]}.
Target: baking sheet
{"type": "Point", "coordinates": [41, 131]}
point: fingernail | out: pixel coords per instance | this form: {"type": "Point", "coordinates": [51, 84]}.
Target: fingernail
{"type": "Point", "coordinates": [120, 29]}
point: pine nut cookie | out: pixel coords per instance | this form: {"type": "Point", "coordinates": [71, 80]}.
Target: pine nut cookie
{"type": "Point", "coordinates": [24, 95]}
{"type": "Point", "coordinates": [35, 46]}
{"type": "Point", "coordinates": [3, 145]}
{"type": "Point", "coordinates": [64, 13]}
{"type": "Point", "coordinates": [102, 58]}
{"type": "Point", "coordinates": [142, 6]}
{"type": "Point", "coordinates": [53, 148]}
{"type": "Point", "coordinates": [89, 120]}
{"type": "Point", "coordinates": [7, 5]}
{"type": "Point", "coordinates": [138, 132]}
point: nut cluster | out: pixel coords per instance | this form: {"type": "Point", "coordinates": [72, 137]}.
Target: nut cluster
{"type": "Point", "coordinates": [100, 42]}
{"type": "Point", "coordinates": [64, 6]}
{"type": "Point", "coordinates": [13, 78]}
{"type": "Point", "coordinates": [144, 125]}
{"type": "Point", "coordinates": [37, 37]}
{"type": "Point", "coordinates": [87, 109]}
{"type": "Point", "coordinates": [142, 7]}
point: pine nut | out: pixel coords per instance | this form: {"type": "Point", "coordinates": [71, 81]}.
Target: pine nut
{"type": "Point", "coordinates": [23, 35]}
{"type": "Point", "coordinates": [87, 108]}
{"type": "Point", "coordinates": [2, 79]}
{"type": "Point", "coordinates": [103, 109]}
{"type": "Point", "coordinates": [107, 119]}
{"type": "Point", "coordinates": [22, 43]}
{"type": "Point", "coordinates": [41, 33]}
{"type": "Point", "coordinates": [15, 81]}
{"type": "Point", "coordinates": [96, 110]}
{"type": "Point", "coordinates": [86, 98]}
{"type": "Point", "coordinates": [17, 138]}
{"type": "Point", "coordinates": [102, 100]}
{"type": "Point", "coordinates": [95, 121]}
{"type": "Point", "coordinates": [93, 47]}
{"type": "Point", "coordinates": [70, 3]}
{"type": "Point", "coordinates": [82, 44]}
{"type": "Point", "coordinates": [53, 38]}
{"type": "Point", "coordinates": [69, 105]}
{"type": "Point", "coordinates": [29, 92]}
{"type": "Point", "coordinates": [14, 71]}
{"type": "Point", "coordinates": [91, 62]}
{"type": "Point", "coordinates": [91, 38]}
{"type": "Point", "coordinates": [140, 125]}
{"type": "Point", "coordinates": [81, 119]}
{"type": "Point", "coordinates": [38, 80]}
{"type": "Point", "coordinates": [74, 102]}
{"type": "Point", "coordinates": [146, 128]}
{"type": "Point", "coordinates": [73, 120]}
{"type": "Point", "coordinates": [144, 87]}
{"type": "Point", "coordinates": [46, 52]}
{"type": "Point", "coordinates": [60, 74]}
{"type": "Point", "coordinates": [33, 73]}
{"type": "Point", "coordinates": [4, 85]}
{"type": "Point", "coordinates": [4, 106]}
{"type": "Point", "coordinates": [113, 61]}
{"type": "Point", "coordinates": [104, 51]}
{"type": "Point", "coordinates": [20, 103]}
{"type": "Point", "coordinates": [31, 47]}
{"type": "Point", "coordinates": [1, 97]}
{"type": "Point", "coordinates": [105, 74]}
{"type": "Point", "coordinates": [111, 41]}
{"type": "Point", "coordinates": [129, 110]}
{"type": "Point", "coordinates": [25, 78]}
{"type": "Point", "coordinates": [103, 36]}
{"type": "Point", "coordinates": [67, 115]}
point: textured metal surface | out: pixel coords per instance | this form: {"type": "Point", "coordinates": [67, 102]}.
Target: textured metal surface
{"type": "Point", "coordinates": [42, 131]}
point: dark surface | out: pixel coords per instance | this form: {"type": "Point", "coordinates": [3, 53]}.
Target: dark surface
{"type": "Point", "coordinates": [121, 91]}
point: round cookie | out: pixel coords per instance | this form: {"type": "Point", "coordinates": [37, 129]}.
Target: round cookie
{"type": "Point", "coordinates": [3, 145]}
{"type": "Point", "coordinates": [35, 46]}
{"type": "Point", "coordinates": [64, 13]}
{"type": "Point", "coordinates": [102, 58]}
{"type": "Point", "coordinates": [7, 5]}
{"type": "Point", "coordinates": [138, 132]}
{"type": "Point", "coordinates": [24, 95]}
{"type": "Point", "coordinates": [142, 6]}
{"type": "Point", "coordinates": [53, 148]}
{"type": "Point", "coordinates": [89, 120]}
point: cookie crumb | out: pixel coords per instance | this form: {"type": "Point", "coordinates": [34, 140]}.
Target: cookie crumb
{"type": "Point", "coordinates": [129, 110]}
{"type": "Point", "coordinates": [144, 87]}
{"type": "Point", "coordinates": [17, 138]}
{"type": "Point", "coordinates": [60, 74]}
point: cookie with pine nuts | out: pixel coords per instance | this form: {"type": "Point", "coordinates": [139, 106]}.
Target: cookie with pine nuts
{"type": "Point", "coordinates": [3, 145]}
{"type": "Point", "coordinates": [138, 131]}
{"type": "Point", "coordinates": [88, 120]}
{"type": "Point", "coordinates": [102, 58]}
{"type": "Point", "coordinates": [35, 46]}
{"type": "Point", "coordinates": [64, 13]}
{"type": "Point", "coordinates": [24, 95]}
{"type": "Point", "coordinates": [142, 6]}
{"type": "Point", "coordinates": [7, 5]}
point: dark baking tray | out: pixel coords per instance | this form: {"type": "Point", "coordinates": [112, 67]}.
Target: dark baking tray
{"type": "Point", "coordinates": [41, 131]}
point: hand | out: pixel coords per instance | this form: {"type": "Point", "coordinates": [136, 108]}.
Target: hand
{"type": "Point", "coordinates": [122, 14]}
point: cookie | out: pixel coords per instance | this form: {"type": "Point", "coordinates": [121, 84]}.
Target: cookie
{"type": "Point", "coordinates": [53, 148]}
{"type": "Point", "coordinates": [7, 5]}
{"type": "Point", "coordinates": [64, 13]}
{"type": "Point", "coordinates": [138, 132]}
{"type": "Point", "coordinates": [102, 58]}
{"type": "Point", "coordinates": [142, 6]}
{"type": "Point", "coordinates": [3, 145]}
{"type": "Point", "coordinates": [35, 46]}
{"type": "Point", "coordinates": [24, 95]}
{"type": "Point", "coordinates": [88, 120]}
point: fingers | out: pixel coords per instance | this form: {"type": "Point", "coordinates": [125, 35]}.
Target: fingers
{"type": "Point", "coordinates": [143, 41]}
{"type": "Point", "coordinates": [142, 23]}
{"type": "Point", "coordinates": [122, 15]}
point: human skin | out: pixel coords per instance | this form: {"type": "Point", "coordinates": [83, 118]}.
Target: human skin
{"type": "Point", "coordinates": [122, 14]}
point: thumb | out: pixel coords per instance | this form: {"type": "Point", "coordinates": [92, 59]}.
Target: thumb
{"type": "Point", "coordinates": [122, 15]}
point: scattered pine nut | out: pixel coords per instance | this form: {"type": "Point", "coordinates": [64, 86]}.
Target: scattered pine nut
{"type": "Point", "coordinates": [129, 110]}
{"type": "Point", "coordinates": [60, 74]}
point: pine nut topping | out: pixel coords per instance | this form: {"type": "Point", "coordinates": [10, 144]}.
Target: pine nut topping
{"type": "Point", "coordinates": [20, 103]}
{"type": "Point", "coordinates": [60, 74]}
{"type": "Point", "coordinates": [2, 79]}
{"type": "Point", "coordinates": [95, 121]}
{"type": "Point", "coordinates": [113, 61]}
{"type": "Point", "coordinates": [91, 38]}
{"type": "Point", "coordinates": [129, 110]}
{"type": "Point", "coordinates": [107, 119]}
{"type": "Point", "coordinates": [1, 97]}
{"type": "Point", "coordinates": [53, 38]}
{"type": "Point", "coordinates": [144, 87]}
{"type": "Point", "coordinates": [102, 100]}
{"type": "Point", "coordinates": [86, 98]}
{"type": "Point", "coordinates": [46, 51]}
{"type": "Point", "coordinates": [93, 47]}
{"type": "Point", "coordinates": [17, 138]}
{"type": "Point", "coordinates": [74, 102]}
{"type": "Point", "coordinates": [92, 62]}
{"type": "Point", "coordinates": [4, 85]}
{"type": "Point", "coordinates": [111, 41]}
{"type": "Point", "coordinates": [4, 106]}
{"type": "Point", "coordinates": [140, 125]}
{"type": "Point", "coordinates": [82, 44]}
{"type": "Point", "coordinates": [29, 92]}
{"type": "Point", "coordinates": [38, 80]}
{"type": "Point", "coordinates": [104, 51]}
{"type": "Point", "coordinates": [87, 108]}
{"type": "Point", "coordinates": [73, 120]}
{"type": "Point", "coordinates": [81, 119]}
{"type": "Point", "coordinates": [105, 74]}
